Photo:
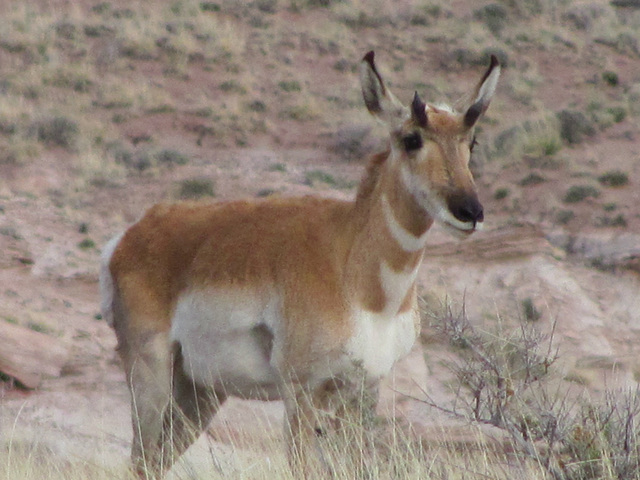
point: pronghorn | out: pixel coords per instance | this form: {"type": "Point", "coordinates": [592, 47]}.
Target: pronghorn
{"type": "Point", "coordinates": [300, 299]}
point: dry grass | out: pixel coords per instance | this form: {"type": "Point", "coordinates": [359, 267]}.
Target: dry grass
{"type": "Point", "coordinates": [396, 456]}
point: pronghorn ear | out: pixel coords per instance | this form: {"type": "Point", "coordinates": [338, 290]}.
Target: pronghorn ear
{"type": "Point", "coordinates": [380, 102]}
{"type": "Point", "coordinates": [483, 93]}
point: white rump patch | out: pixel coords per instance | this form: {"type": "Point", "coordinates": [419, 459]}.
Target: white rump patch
{"type": "Point", "coordinates": [106, 287]}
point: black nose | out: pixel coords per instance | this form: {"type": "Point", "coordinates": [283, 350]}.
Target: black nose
{"type": "Point", "coordinates": [466, 208]}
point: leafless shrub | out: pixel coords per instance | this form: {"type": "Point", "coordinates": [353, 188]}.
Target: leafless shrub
{"type": "Point", "coordinates": [503, 378]}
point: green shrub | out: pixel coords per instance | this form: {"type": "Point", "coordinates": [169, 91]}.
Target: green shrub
{"type": "Point", "coordinates": [139, 160]}
{"type": "Point", "coordinates": [65, 79]}
{"type": "Point", "coordinates": [494, 16]}
{"type": "Point", "coordinates": [356, 18]}
{"type": "Point", "coordinates": [204, 112]}
{"type": "Point", "coordinates": [57, 131]}
{"type": "Point", "coordinates": [265, 192]}
{"type": "Point", "coordinates": [565, 216]}
{"type": "Point", "coordinates": [574, 126]}
{"type": "Point", "coordinates": [350, 142]}
{"type": "Point", "coordinates": [473, 58]}
{"type": "Point", "coordinates": [298, 5]}
{"type": "Point", "coordinates": [257, 106]}
{"type": "Point", "coordinates": [301, 113]}
{"type": "Point", "coordinates": [171, 157]}
{"type": "Point", "coordinates": [532, 179]}
{"type": "Point", "coordinates": [617, 221]}
{"type": "Point", "coordinates": [614, 178]}
{"type": "Point", "coordinates": [278, 167]}
{"type": "Point", "coordinates": [101, 8]}
{"type": "Point", "coordinates": [194, 188]}
{"type": "Point", "coordinates": [86, 244]}
{"type": "Point", "coordinates": [159, 109]}
{"type": "Point", "coordinates": [501, 193]}
{"type": "Point", "coordinates": [232, 86]}
{"type": "Point", "coordinates": [210, 7]}
{"type": "Point", "coordinates": [290, 85]}
{"type": "Point", "coordinates": [611, 78]}
{"type": "Point", "coordinates": [617, 113]}
{"type": "Point", "coordinates": [267, 6]}
{"type": "Point", "coordinates": [578, 193]}
{"type": "Point", "coordinates": [531, 313]}
{"type": "Point", "coordinates": [66, 30]}
{"type": "Point", "coordinates": [119, 118]}
{"type": "Point", "coordinates": [342, 65]}
{"type": "Point", "coordinates": [97, 30]}
{"type": "Point", "coordinates": [537, 138]}
{"type": "Point", "coordinates": [120, 153]}
{"type": "Point", "coordinates": [315, 176]}
{"type": "Point", "coordinates": [40, 327]}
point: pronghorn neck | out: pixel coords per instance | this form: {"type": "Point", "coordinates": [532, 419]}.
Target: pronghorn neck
{"type": "Point", "coordinates": [389, 241]}
{"type": "Point", "coordinates": [405, 219]}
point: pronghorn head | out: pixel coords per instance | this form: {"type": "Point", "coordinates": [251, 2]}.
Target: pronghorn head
{"type": "Point", "coordinates": [431, 146]}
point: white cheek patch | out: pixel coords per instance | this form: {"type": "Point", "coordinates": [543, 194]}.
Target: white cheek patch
{"type": "Point", "coordinates": [407, 241]}
{"type": "Point", "coordinates": [432, 203]}
{"type": "Point", "coordinates": [424, 195]}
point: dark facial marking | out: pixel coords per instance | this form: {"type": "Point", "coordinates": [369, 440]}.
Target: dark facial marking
{"type": "Point", "coordinates": [412, 142]}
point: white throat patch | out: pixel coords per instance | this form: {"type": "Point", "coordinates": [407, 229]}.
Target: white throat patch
{"type": "Point", "coordinates": [396, 285]}
{"type": "Point", "coordinates": [407, 241]}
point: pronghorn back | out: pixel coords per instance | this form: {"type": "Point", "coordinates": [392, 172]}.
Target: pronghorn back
{"type": "Point", "coordinates": [302, 299]}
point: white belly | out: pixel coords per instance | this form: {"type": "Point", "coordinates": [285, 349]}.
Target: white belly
{"type": "Point", "coordinates": [227, 341]}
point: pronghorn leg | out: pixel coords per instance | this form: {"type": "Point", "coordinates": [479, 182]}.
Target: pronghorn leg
{"type": "Point", "coordinates": [190, 412]}
{"type": "Point", "coordinates": [300, 432]}
{"type": "Point", "coordinates": [355, 422]}
{"type": "Point", "coordinates": [149, 378]}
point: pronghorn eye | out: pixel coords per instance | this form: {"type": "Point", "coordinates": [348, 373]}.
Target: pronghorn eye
{"type": "Point", "coordinates": [412, 142]}
{"type": "Point", "coordinates": [473, 143]}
